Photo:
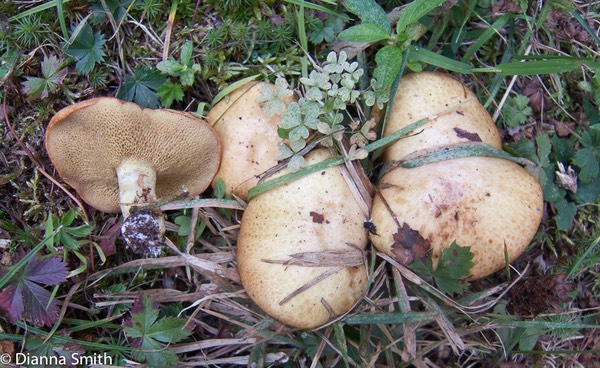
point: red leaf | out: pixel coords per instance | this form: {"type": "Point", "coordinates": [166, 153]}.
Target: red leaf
{"type": "Point", "coordinates": [48, 271]}
{"type": "Point", "coordinates": [11, 303]}
{"type": "Point", "coordinates": [38, 308]}
{"type": "Point", "coordinates": [24, 295]}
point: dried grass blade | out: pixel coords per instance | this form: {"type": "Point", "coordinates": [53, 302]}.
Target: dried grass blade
{"type": "Point", "coordinates": [333, 258]}
{"type": "Point", "coordinates": [310, 284]}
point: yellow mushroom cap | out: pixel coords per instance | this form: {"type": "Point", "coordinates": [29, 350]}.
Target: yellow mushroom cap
{"type": "Point", "coordinates": [317, 216]}
{"type": "Point", "coordinates": [480, 202]}
{"type": "Point", "coordinates": [422, 95]}
{"type": "Point", "coordinates": [248, 135]}
{"type": "Point", "coordinates": [87, 141]}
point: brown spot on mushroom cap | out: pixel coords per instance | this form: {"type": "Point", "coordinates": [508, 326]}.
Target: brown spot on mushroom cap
{"type": "Point", "coordinates": [278, 223]}
{"type": "Point", "coordinates": [424, 94]}
{"type": "Point", "coordinates": [87, 141]}
{"type": "Point", "coordinates": [481, 202]}
{"type": "Point", "coordinates": [248, 135]}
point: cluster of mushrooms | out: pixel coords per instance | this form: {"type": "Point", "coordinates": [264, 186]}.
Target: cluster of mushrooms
{"type": "Point", "coordinates": [300, 249]}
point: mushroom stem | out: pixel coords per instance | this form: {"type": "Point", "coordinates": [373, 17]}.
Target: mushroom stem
{"type": "Point", "coordinates": [137, 183]}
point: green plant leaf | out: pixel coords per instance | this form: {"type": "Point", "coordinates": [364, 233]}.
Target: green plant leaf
{"type": "Point", "coordinates": [87, 48]}
{"type": "Point", "coordinates": [415, 11]}
{"type": "Point", "coordinates": [365, 32]}
{"type": "Point", "coordinates": [170, 67]}
{"type": "Point", "coordinates": [369, 12]}
{"type": "Point", "coordinates": [170, 92]}
{"type": "Point", "coordinates": [420, 54]}
{"type": "Point", "coordinates": [150, 334]}
{"type": "Point", "coordinates": [566, 213]}
{"type": "Point", "coordinates": [186, 53]}
{"type": "Point", "coordinates": [586, 160]}
{"type": "Point", "coordinates": [516, 111]}
{"type": "Point", "coordinates": [454, 265]}
{"type": "Point", "coordinates": [389, 62]}
{"type": "Point", "coordinates": [549, 65]}
{"type": "Point", "coordinates": [140, 87]}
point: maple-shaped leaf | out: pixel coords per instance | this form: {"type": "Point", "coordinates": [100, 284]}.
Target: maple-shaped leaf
{"type": "Point", "coordinates": [24, 297]}
{"type": "Point", "coordinates": [454, 265]}
{"type": "Point", "coordinates": [150, 334]}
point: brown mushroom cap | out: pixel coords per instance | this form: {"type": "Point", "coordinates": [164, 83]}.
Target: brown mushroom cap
{"type": "Point", "coordinates": [314, 214]}
{"type": "Point", "coordinates": [248, 136]}
{"type": "Point", "coordinates": [89, 140]}
{"type": "Point", "coordinates": [480, 202]}
{"type": "Point", "coordinates": [424, 94]}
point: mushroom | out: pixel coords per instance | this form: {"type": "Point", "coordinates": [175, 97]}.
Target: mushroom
{"type": "Point", "coordinates": [485, 203]}
{"type": "Point", "coordinates": [116, 154]}
{"type": "Point", "coordinates": [248, 136]}
{"type": "Point", "coordinates": [427, 94]}
{"type": "Point", "coordinates": [300, 248]}
{"type": "Point", "coordinates": [488, 204]}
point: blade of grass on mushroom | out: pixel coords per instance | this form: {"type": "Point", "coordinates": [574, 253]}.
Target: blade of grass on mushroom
{"type": "Point", "coordinates": [233, 86]}
{"type": "Point", "coordinates": [469, 150]}
{"type": "Point", "coordinates": [202, 203]}
{"type": "Point", "coordinates": [380, 143]}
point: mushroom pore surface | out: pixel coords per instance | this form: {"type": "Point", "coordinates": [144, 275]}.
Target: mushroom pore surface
{"type": "Point", "coordinates": [88, 142]}
{"type": "Point", "coordinates": [480, 202]}
{"type": "Point", "coordinates": [318, 217]}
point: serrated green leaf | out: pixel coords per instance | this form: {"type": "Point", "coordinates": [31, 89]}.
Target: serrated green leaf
{"type": "Point", "coordinates": [187, 77]}
{"type": "Point", "coordinates": [87, 48]}
{"type": "Point", "coordinates": [564, 149]}
{"type": "Point", "coordinates": [566, 213]}
{"type": "Point", "coordinates": [454, 265]}
{"type": "Point", "coordinates": [141, 87]}
{"type": "Point", "coordinates": [544, 147]}
{"type": "Point", "coordinates": [389, 62]}
{"type": "Point", "coordinates": [516, 111]}
{"type": "Point", "coordinates": [550, 191]}
{"type": "Point", "coordinates": [415, 11]}
{"type": "Point", "coordinates": [184, 223]}
{"type": "Point", "coordinates": [365, 32]}
{"type": "Point", "coordinates": [53, 76]}
{"type": "Point", "coordinates": [186, 53]}
{"type": "Point", "coordinates": [170, 67]}
{"type": "Point", "coordinates": [369, 11]}
{"type": "Point", "coordinates": [588, 193]}
{"type": "Point", "coordinates": [168, 330]}
{"type": "Point", "coordinates": [170, 92]}
{"type": "Point", "coordinates": [586, 160]}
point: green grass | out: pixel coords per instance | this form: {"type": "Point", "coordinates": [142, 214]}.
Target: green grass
{"type": "Point", "coordinates": [534, 65]}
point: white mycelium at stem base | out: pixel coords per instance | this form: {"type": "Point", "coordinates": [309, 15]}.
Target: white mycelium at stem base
{"type": "Point", "coordinates": [137, 184]}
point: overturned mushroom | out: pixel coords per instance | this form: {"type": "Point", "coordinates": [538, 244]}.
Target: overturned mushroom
{"type": "Point", "coordinates": [116, 154]}
{"type": "Point", "coordinates": [248, 135]}
{"type": "Point", "coordinates": [300, 248]}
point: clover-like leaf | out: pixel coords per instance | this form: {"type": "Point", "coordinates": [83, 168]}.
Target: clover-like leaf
{"type": "Point", "coordinates": [273, 99]}
{"type": "Point", "coordinates": [292, 117]}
